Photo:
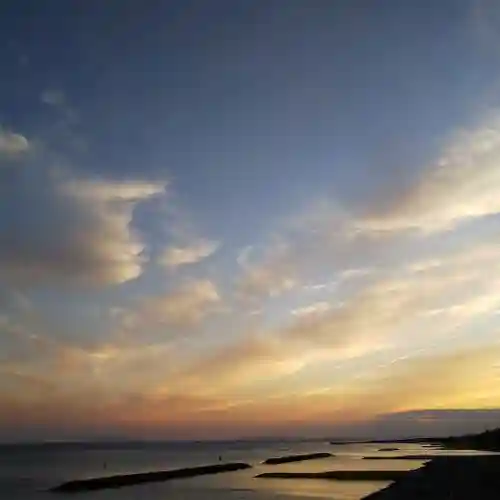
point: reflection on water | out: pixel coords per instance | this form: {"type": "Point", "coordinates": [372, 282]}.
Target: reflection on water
{"type": "Point", "coordinates": [26, 471]}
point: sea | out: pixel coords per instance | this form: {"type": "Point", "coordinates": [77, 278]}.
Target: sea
{"type": "Point", "coordinates": [28, 471]}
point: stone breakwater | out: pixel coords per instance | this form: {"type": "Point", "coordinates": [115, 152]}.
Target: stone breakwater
{"type": "Point", "coordinates": [296, 458]}
{"type": "Point", "coordinates": [119, 481]}
{"type": "Point", "coordinates": [339, 475]}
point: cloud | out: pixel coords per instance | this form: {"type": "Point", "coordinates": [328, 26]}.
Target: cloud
{"type": "Point", "coordinates": [184, 307]}
{"type": "Point", "coordinates": [114, 363]}
{"type": "Point", "coordinates": [250, 360]}
{"type": "Point", "coordinates": [264, 281]}
{"type": "Point", "coordinates": [243, 256]}
{"type": "Point", "coordinates": [53, 97]}
{"type": "Point", "coordinates": [12, 145]}
{"type": "Point", "coordinates": [461, 378]}
{"type": "Point", "coordinates": [428, 382]}
{"type": "Point", "coordinates": [316, 308]}
{"type": "Point", "coordinates": [306, 247]}
{"type": "Point", "coordinates": [462, 185]}
{"type": "Point", "coordinates": [331, 285]}
{"type": "Point", "coordinates": [273, 274]}
{"type": "Point", "coordinates": [115, 390]}
{"type": "Point", "coordinates": [348, 274]}
{"type": "Point", "coordinates": [423, 423]}
{"type": "Point", "coordinates": [174, 257]}
{"type": "Point", "coordinates": [55, 226]}
{"type": "Point", "coordinates": [392, 311]}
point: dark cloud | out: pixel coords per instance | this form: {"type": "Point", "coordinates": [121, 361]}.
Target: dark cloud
{"type": "Point", "coordinates": [57, 227]}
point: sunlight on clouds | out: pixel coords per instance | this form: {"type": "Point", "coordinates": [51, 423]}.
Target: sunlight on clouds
{"type": "Point", "coordinates": [174, 257]}
{"type": "Point", "coordinates": [450, 380]}
{"type": "Point", "coordinates": [381, 314]}
{"type": "Point", "coordinates": [411, 307]}
{"type": "Point", "coordinates": [266, 281]}
{"type": "Point", "coordinates": [463, 184]}
{"type": "Point", "coordinates": [72, 230]}
{"type": "Point", "coordinates": [317, 307]}
{"type": "Point", "coordinates": [273, 274]}
{"type": "Point", "coordinates": [12, 145]}
{"type": "Point", "coordinates": [186, 306]}
{"type": "Point", "coordinates": [108, 192]}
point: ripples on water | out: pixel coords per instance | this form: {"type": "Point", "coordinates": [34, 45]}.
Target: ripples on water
{"type": "Point", "coordinates": [26, 471]}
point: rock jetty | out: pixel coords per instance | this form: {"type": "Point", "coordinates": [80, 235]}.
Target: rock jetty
{"type": "Point", "coordinates": [119, 481]}
{"type": "Point", "coordinates": [296, 458]}
{"type": "Point", "coordinates": [339, 475]}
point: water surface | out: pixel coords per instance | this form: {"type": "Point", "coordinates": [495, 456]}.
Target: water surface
{"type": "Point", "coordinates": [27, 471]}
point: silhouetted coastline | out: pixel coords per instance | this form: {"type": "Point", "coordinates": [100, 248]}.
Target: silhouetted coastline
{"type": "Point", "coordinates": [457, 477]}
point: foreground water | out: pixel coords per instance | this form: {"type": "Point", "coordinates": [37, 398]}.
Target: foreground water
{"type": "Point", "coordinates": [27, 471]}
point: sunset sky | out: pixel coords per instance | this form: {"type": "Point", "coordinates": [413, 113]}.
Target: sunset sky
{"type": "Point", "coordinates": [240, 218]}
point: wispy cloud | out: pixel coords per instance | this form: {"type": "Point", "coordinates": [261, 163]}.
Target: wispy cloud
{"type": "Point", "coordinates": [379, 315]}
{"type": "Point", "coordinates": [317, 307]}
{"type": "Point", "coordinates": [273, 274]}
{"type": "Point", "coordinates": [461, 185]}
{"type": "Point", "coordinates": [456, 379]}
{"type": "Point", "coordinates": [12, 145]}
{"type": "Point", "coordinates": [183, 307]}
{"type": "Point", "coordinates": [176, 256]}
{"type": "Point", "coordinates": [53, 97]}
{"type": "Point", "coordinates": [244, 254]}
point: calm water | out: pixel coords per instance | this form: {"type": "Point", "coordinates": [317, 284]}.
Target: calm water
{"type": "Point", "coordinates": [26, 471]}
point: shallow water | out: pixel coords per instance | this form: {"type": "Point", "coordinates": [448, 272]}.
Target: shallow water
{"type": "Point", "coordinates": [26, 472]}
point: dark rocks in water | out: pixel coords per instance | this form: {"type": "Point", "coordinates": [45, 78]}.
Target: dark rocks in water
{"type": "Point", "coordinates": [388, 449]}
{"type": "Point", "coordinates": [118, 481]}
{"type": "Point", "coordinates": [339, 475]}
{"type": "Point", "coordinates": [457, 477]}
{"type": "Point", "coordinates": [296, 458]}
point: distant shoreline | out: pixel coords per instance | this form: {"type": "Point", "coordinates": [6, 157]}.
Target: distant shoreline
{"type": "Point", "coordinates": [484, 441]}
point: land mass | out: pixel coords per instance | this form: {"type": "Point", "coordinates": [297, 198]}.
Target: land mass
{"type": "Point", "coordinates": [457, 477]}
{"type": "Point", "coordinates": [488, 441]}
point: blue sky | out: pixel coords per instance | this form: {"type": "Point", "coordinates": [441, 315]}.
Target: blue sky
{"type": "Point", "coordinates": [214, 211]}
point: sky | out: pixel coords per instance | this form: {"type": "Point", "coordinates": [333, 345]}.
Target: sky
{"type": "Point", "coordinates": [237, 219]}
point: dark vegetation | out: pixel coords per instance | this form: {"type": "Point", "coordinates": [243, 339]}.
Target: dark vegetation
{"type": "Point", "coordinates": [488, 440]}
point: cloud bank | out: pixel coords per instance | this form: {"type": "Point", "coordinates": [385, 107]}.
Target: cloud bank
{"type": "Point", "coordinates": [58, 227]}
